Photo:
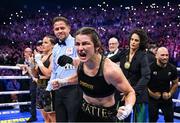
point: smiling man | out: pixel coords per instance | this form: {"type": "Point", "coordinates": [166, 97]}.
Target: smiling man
{"type": "Point", "coordinates": [66, 111]}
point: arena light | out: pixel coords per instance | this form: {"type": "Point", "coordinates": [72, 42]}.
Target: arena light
{"type": "Point", "coordinates": [58, 7]}
{"type": "Point", "coordinates": [128, 8]}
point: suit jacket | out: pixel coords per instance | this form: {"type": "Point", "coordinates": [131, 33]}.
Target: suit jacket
{"type": "Point", "coordinates": [138, 74]}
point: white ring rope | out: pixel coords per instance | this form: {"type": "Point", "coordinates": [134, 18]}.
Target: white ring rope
{"type": "Point", "coordinates": [9, 67]}
{"type": "Point", "coordinates": [14, 92]}
{"type": "Point", "coordinates": [15, 77]}
{"type": "Point", "coordinates": [25, 92]}
{"type": "Point", "coordinates": [13, 104]}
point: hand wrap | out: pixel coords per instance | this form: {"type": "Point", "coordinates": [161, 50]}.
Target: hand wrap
{"type": "Point", "coordinates": [124, 112]}
{"type": "Point", "coordinates": [38, 60]}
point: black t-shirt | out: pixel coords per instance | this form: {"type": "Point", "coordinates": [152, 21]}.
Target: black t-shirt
{"type": "Point", "coordinates": [161, 77]}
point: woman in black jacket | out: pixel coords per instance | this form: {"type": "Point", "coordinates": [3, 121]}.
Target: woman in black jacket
{"type": "Point", "coordinates": [134, 65]}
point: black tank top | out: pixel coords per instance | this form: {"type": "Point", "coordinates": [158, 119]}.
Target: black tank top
{"type": "Point", "coordinates": [46, 64]}
{"type": "Point", "coordinates": [95, 86]}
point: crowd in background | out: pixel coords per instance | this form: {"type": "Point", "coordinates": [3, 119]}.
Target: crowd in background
{"type": "Point", "coordinates": [160, 22]}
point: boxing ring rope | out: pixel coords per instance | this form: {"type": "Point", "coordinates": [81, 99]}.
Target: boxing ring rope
{"type": "Point", "coordinates": [26, 92]}
{"type": "Point", "coordinates": [15, 77]}
{"type": "Point", "coordinates": [10, 67]}
{"type": "Point", "coordinates": [14, 104]}
{"type": "Point", "coordinates": [14, 92]}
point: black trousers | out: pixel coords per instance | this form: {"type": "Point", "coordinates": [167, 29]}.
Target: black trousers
{"type": "Point", "coordinates": [165, 105]}
{"type": "Point", "coordinates": [24, 85]}
{"type": "Point", "coordinates": [33, 87]}
{"type": "Point", "coordinates": [67, 103]}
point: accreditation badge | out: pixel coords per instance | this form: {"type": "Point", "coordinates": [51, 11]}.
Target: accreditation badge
{"type": "Point", "coordinates": [127, 65]}
{"type": "Point", "coordinates": [69, 51]}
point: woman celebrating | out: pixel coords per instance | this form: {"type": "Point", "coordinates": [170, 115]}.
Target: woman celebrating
{"type": "Point", "coordinates": [98, 77]}
{"type": "Point", "coordinates": [45, 99]}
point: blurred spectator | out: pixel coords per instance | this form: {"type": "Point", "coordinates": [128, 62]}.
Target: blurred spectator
{"type": "Point", "coordinates": [12, 85]}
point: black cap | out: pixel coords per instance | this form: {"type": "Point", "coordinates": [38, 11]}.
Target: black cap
{"type": "Point", "coordinates": [39, 42]}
